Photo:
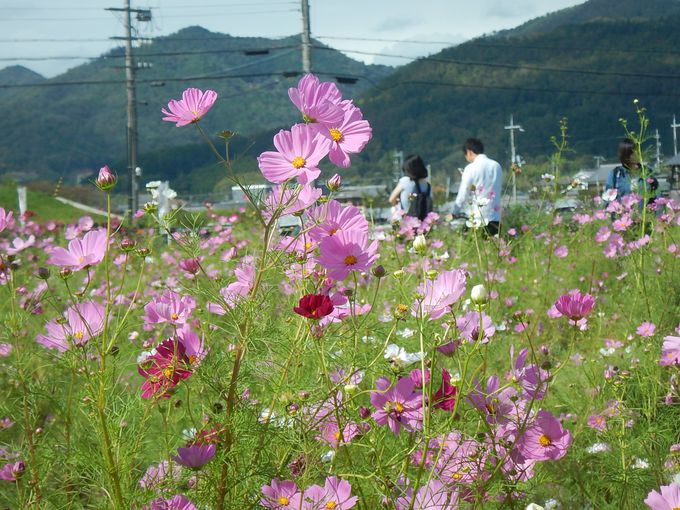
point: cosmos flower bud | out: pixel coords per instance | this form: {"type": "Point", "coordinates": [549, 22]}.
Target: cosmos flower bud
{"type": "Point", "coordinates": [334, 183]}
{"type": "Point", "coordinates": [420, 244]}
{"type": "Point", "coordinates": [106, 179]}
{"type": "Point", "coordinates": [479, 295]}
{"type": "Point", "coordinates": [43, 273]}
{"type": "Point", "coordinates": [378, 271]}
{"type": "Point", "coordinates": [398, 274]}
{"type": "Point", "coordinates": [65, 273]}
{"type": "Point", "coordinates": [432, 274]}
{"type": "Point", "coordinates": [128, 244]}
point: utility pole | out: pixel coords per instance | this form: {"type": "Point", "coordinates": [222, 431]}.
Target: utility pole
{"type": "Point", "coordinates": [142, 15]}
{"type": "Point", "coordinates": [658, 150]}
{"type": "Point", "coordinates": [513, 155]}
{"type": "Point", "coordinates": [675, 125]}
{"type": "Point", "coordinates": [306, 39]}
{"type": "Point", "coordinates": [598, 161]}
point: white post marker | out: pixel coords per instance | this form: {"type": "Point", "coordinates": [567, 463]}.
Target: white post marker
{"type": "Point", "coordinates": [21, 192]}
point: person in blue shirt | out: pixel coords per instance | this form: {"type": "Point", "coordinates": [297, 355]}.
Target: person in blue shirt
{"type": "Point", "coordinates": [621, 177]}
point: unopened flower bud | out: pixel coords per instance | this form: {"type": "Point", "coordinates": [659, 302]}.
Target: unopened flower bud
{"type": "Point", "coordinates": [65, 273]}
{"type": "Point", "coordinates": [364, 413]}
{"type": "Point", "coordinates": [398, 274]}
{"type": "Point", "coordinates": [400, 311]}
{"type": "Point", "coordinates": [43, 273]}
{"type": "Point", "coordinates": [106, 179]}
{"type": "Point", "coordinates": [143, 252]}
{"type": "Point", "coordinates": [334, 182]}
{"type": "Point", "coordinates": [351, 388]}
{"type": "Point", "coordinates": [420, 244]}
{"type": "Point", "coordinates": [150, 207]}
{"type": "Point", "coordinates": [432, 274]}
{"type": "Point", "coordinates": [479, 295]}
{"type": "Point", "coordinates": [128, 244]}
{"type": "Point", "coordinates": [378, 271]}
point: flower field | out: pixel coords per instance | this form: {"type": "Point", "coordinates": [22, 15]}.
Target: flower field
{"type": "Point", "coordinates": [216, 362]}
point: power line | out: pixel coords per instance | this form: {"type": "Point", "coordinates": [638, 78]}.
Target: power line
{"type": "Point", "coordinates": [69, 8]}
{"type": "Point", "coordinates": [501, 65]}
{"type": "Point", "coordinates": [13, 20]}
{"type": "Point", "coordinates": [158, 54]}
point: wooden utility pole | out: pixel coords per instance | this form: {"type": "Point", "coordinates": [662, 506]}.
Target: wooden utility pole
{"type": "Point", "coordinates": [142, 15]}
{"type": "Point", "coordinates": [306, 39]}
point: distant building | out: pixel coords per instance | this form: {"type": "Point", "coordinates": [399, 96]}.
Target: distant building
{"type": "Point", "coordinates": [595, 177]}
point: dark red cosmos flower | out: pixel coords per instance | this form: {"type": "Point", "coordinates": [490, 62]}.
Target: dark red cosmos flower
{"type": "Point", "coordinates": [445, 398]}
{"type": "Point", "coordinates": [314, 306]}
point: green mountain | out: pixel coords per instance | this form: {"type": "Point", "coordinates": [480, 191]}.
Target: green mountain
{"type": "Point", "coordinates": [77, 120]}
{"type": "Point", "coordinates": [589, 73]}
{"type": "Point", "coordinates": [598, 10]}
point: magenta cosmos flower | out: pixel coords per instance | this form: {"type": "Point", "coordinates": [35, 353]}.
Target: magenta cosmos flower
{"type": "Point", "coordinates": [195, 455]}
{"type": "Point", "coordinates": [669, 499]}
{"type": "Point", "coordinates": [314, 306]}
{"type": "Point", "coordinates": [281, 495]}
{"type": "Point", "coordinates": [469, 324]}
{"type": "Point", "coordinates": [319, 102]}
{"type": "Point", "coordinates": [83, 322]}
{"type": "Point", "coordinates": [445, 397]}
{"type": "Point", "coordinates": [346, 251]}
{"type": "Point", "coordinates": [290, 200]}
{"type": "Point", "coordinates": [177, 502]}
{"type": "Point", "coordinates": [544, 439]}
{"type": "Point", "coordinates": [11, 471]}
{"type": "Point", "coordinates": [333, 217]}
{"type": "Point", "coordinates": [347, 137]}
{"type": "Point", "coordinates": [336, 494]}
{"type": "Point", "coordinates": [441, 293]}
{"type": "Point", "coordinates": [297, 156]}
{"type": "Point", "coordinates": [88, 251]}
{"type": "Point", "coordinates": [194, 104]}
{"type": "Point", "coordinates": [573, 305]}
{"type": "Point", "coordinates": [670, 351]}
{"type": "Point", "coordinates": [397, 406]}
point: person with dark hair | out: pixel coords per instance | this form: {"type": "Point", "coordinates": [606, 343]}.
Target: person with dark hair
{"type": "Point", "coordinates": [413, 183]}
{"type": "Point", "coordinates": [620, 178]}
{"type": "Point", "coordinates": [479, 195]}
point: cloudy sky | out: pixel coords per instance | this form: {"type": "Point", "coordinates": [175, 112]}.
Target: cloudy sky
{"type": "Point", "coordinates": [44, 35]}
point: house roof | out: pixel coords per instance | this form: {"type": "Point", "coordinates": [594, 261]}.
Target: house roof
{"type": "Point", "coordinates": [674, 161]}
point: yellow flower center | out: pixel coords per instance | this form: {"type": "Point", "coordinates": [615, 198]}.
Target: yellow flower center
{"type": "Point", "coordinates": [174, 316]}
{"type": "Point", "coordinates": [283, 500]}
{"type": "Point", "coordinates": [81, 259]}
{"type": "Point", "coordinates": [167, 372]}
{"type": "Point", "coordinates": [332, 231]}
{"type": "Point", "coordinates": [457, 476]}
{"type": "Point", "coordinates": [79, 335]}
{"type": "Point", "coordinates": [337, 436]}
{"type": "Point", "coordinates": [195, 113]}
{"type": "Point", "coordinates": [402, 308]}
{"type": "Point", "coordinates": [298, 162]}
{"type": "Point", "coordinates": [544, 440]}
{"type": "Point", "coordinates": [331, 505]}
{"type": "Point", "coordinates": [350, 260]}
{"type": "Point", "coordinates": [336, 135]}
{"type": "Point", "coordinates": [399, 407]}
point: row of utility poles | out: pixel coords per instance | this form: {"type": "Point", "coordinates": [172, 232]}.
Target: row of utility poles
{"type": "Point", "coordinates": [144, 15]}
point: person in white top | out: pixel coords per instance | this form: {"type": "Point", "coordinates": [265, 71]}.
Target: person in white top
{"type": "Point", "coordinates": [479, 195]}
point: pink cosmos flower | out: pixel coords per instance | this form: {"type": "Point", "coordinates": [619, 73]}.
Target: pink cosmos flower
{"type": "Point", "coordinates": [461, 461]}
{"type": "Point", "coordinates": [5, 350]}
{"type": "Point", "coordinates": [350, 136]}
{"type": "Point", "coordinates": [6, 219]}
{"type": "Point", "coordinates": [330, 432]}
{"type": "Point", "coordinates": [670, 351]}
{"type": "Point", "coordinates": [281, 495]}
{"type": "Point", "coordinates": [169, 307]}
{"type": "Point", "coordinates": [333, 217]}
{"type": "Point", "coordinates": [668, 499]}
{"type": "Point", "coordinates": [177, 502]}
{"type": "Point", "coordinates": [164, 369]}
{"type": "Point", "coordinates": [155, 476]}
{"type": "Point", "coordinates": [191, 266]}
{"type": "Point", "coordinates": [442, 293]}
{"type": "Point", "coordinates": [237, 290]}
{"type": "Point", "coordinates": [88, 251]}
{"type": "Point", "coordinates": [544, 439]}
{"type": "Point", "coordinates": [83, 322]}
{"type": "Point", "coordinates": [19, 245]}
{"type": "Point", "coordinates": [195, 455]}
{"type": "Point", "coordinates": [561, 252]}
{"type": "Point", "coordinates": [433, 496]}
{"type": "Point", "coordinates": [573, 305]}
{"type": "Point", "coordinates": [597, 422]}
{"type": "Point", "coordinates": [289, 201]}
{"type": "Point", "coordinates": [194, 104]}
{"type": "Point", "coordinates": [469, 324]}
{"type": "Point", "coordinates": [397, 406]}
{"type": "Point", "coordinates": [336, 494]}
{"type": "Point", "coordinates": [498, 406]}
{"type": "Point", "coordinates": [298, 153]}
{"type": "Point", "coordinates": [347, 251]}
{"type": "Point", "coordinates": [11, 471]}
{"type": "Point", "coordinates": [646, 329]}
{"type": "Point", "coordinates": [319, 102]}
